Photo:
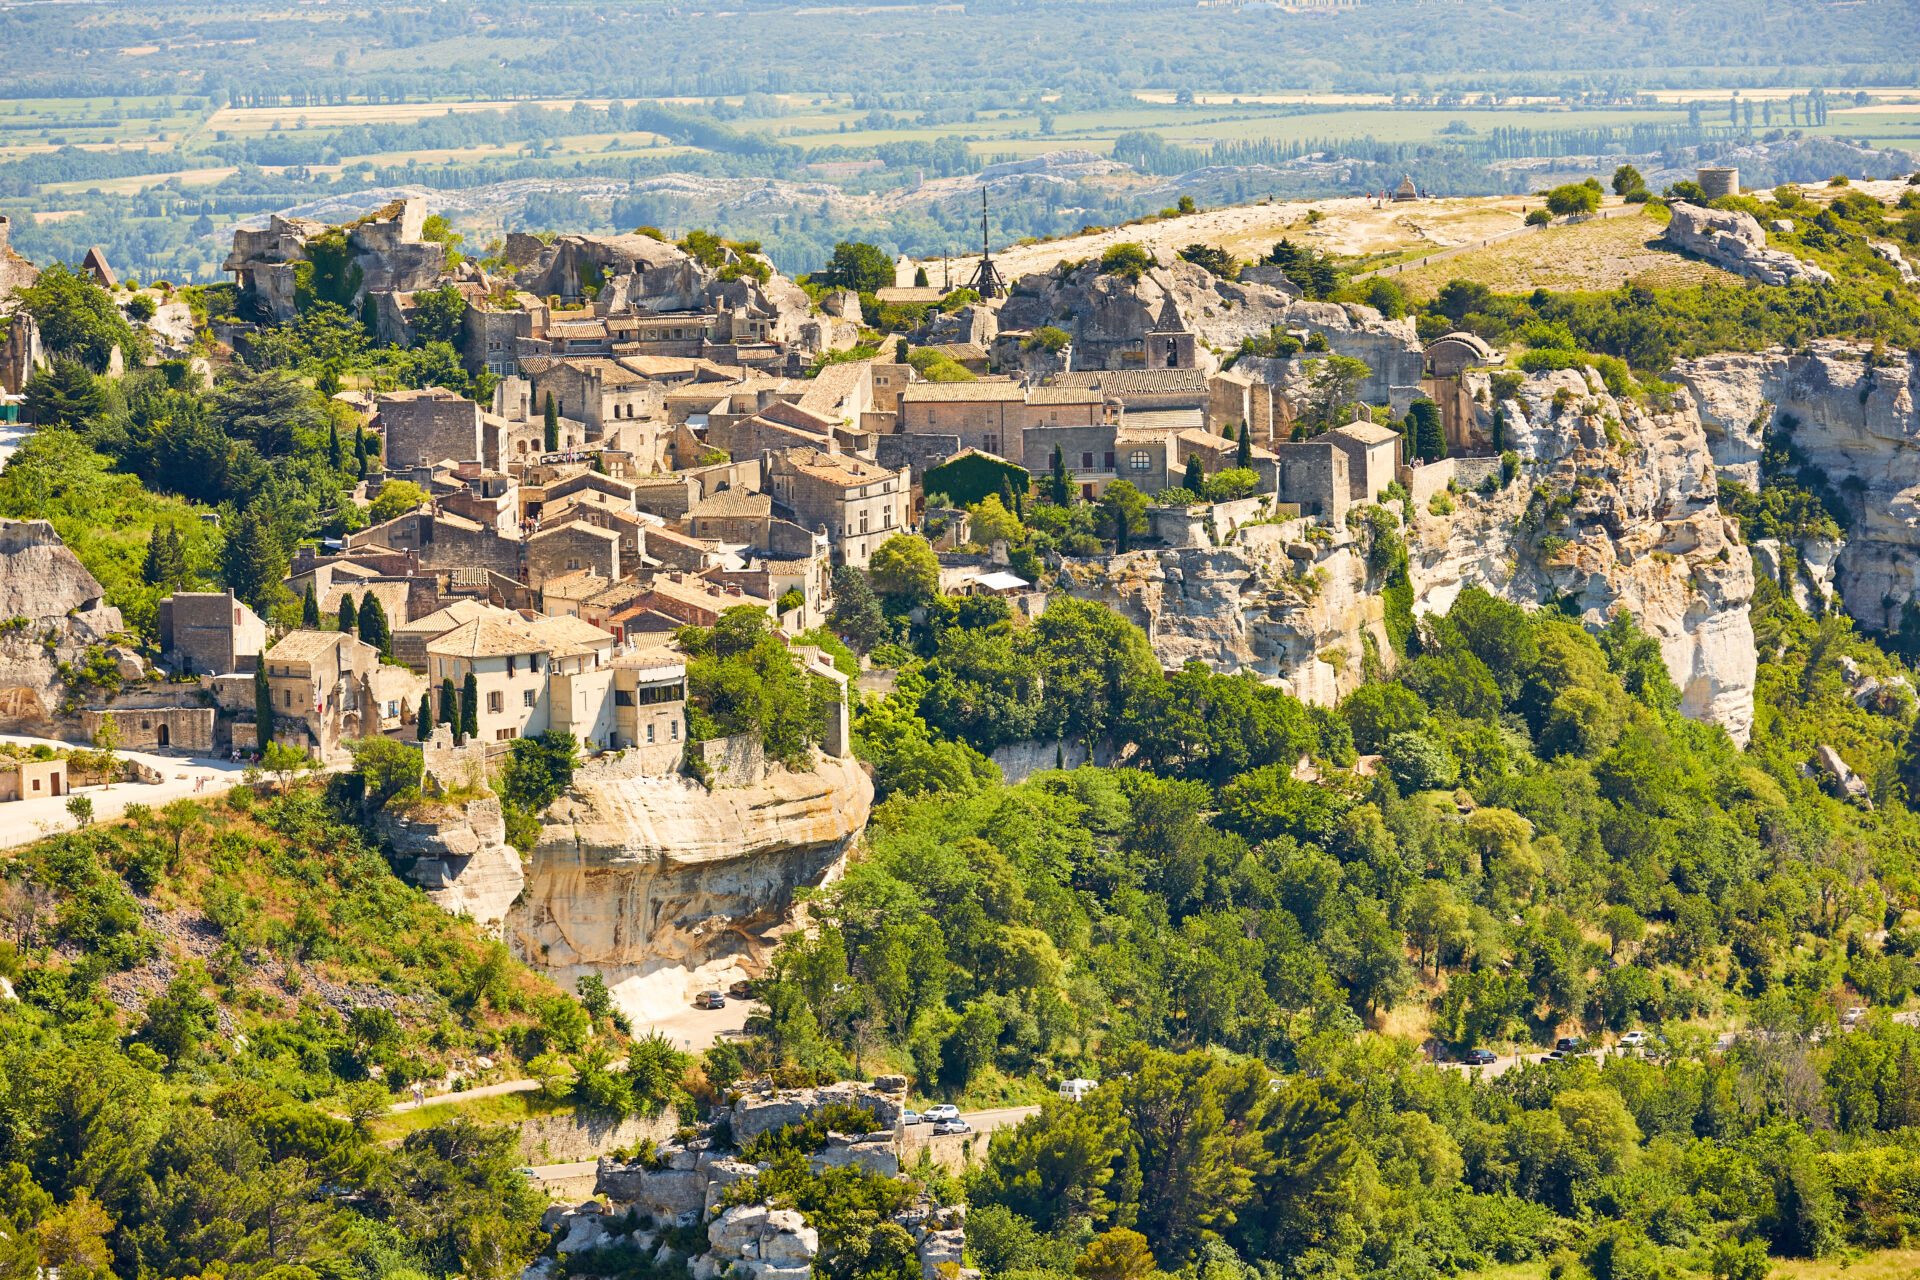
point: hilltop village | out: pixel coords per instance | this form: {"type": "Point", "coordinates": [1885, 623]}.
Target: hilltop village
{"type": "Point", "coordinates": [625, 595]}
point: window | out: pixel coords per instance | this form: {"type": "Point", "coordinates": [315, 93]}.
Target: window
{"type": "Point", "coordinates": [649, 733]}
{"type": "Point", "coordinates": [286, 697]}
{"type": "Point", "coordinates": [1086, 462]}
{"type": "Point", "coordinates": [505, 735]}
{"type": "Point", "coordinates": [1138, 460]}
{"type": "Point", "coordinates": [1109, 459]}
{"type": "Point", "coordinates": [673, 731]}
{"type": "Point", "coordinates": [494, 702]}
{"type": "Point", "coordinates": [526, 699]}
{"type": "Point", "coordinates": [622, 698]}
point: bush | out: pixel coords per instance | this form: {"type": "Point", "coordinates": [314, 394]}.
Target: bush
{"type": "Point", "coordinates": [1539, 218]}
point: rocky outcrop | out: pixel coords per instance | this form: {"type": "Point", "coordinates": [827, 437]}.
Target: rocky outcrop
{"type": "Point", "coordinates": [755, 1113]}
{"type": "Point", "coordinates": [460, 856]}
{"type": "Point", "coordinates": [1732, 239]}
{"type": "Point", "coordinates": [1855, 418]}
{"type": "Point", "coordinates": [51, 613]}
{"type": "Point", "coordinates": [1616, 507]}
{"type": "Point", "coordinates": [663, 887]}
{"type": "Point", "coordinates": [1108, 316]}
{"type": "Point", "coordinates": [755, 1241]}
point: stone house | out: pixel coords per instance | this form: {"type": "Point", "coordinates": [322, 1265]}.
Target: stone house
{"type": "Point", "coordinates": [321, 683]}
{"type": "Point", "coordinates": [650, 706]}
{"type": "Point", "coordinates": [442, 540]}
{"type": "Point", "coordinates": [595, 392]}
{"type": "Point", "coordinates": [692, 601]}
{"type": "Point", "coordinates": [1373, 453]}
{"type": "Point", "coordinates": [427, 426]}
{"type": "Point", "coordinates": [551, 673]}
{"type": "Point", "coordinates": [859, 504]}
{"type": "Point", "coordinates": [189, 730]}
{"type": "Point", "coordinates": [32, 779]}
{"type": "Point", "coordinates": [994, 417]}
{"type": "Point", "coordinates": [210, 633]}
{"type": "Point", "coordinates": [571, 547]}
{"type": "Point", "coordinates": [1314, 475]}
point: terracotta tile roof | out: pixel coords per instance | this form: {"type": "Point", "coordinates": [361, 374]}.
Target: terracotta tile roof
{"type": "Point", "coordinates": [306, 646]}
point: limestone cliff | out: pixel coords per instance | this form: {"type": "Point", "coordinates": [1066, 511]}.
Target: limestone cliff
{"type": "Point", "coordinates": [50, 613]}
{"type": "Point", "coordinates": [1857, 420]}
{"type": "Point", "coordinates": [462, 858]}
{"type": "Point", "coordinates": [663, 887]}
{"type": "Point", "coordinates": [1615, 506]}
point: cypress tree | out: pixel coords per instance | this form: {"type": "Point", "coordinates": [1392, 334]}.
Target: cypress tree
{"type": "Point", "coordinates": [349, 620]}
{"type": "Point", "coordinates": [360, 453]}
{"type": "Point", "coordinates": [1061, 482]}
{"type": "Point", "coordinates": [333, 445]}
{"type": "Point", "coordinates": [553, 425]}
{"type": "Point", "coordinates": [423, 720]}
{"type": "Point", "coordinates": [1196, 481]}
{"type": "Point", "coordinates": [251, 561]}
{"type": "Point", "coordinates": [310, 610]}
{"type": "Point", "coordinates": [262, 704]}
{"type": "Point", "coordinates": [373, 623]}
{"type": "Point", "coordinates": [470, 707]}
{"type": "Point", "coordinates": [449, 710]}
{"type": "Point", "coordinates": [1243, 456]}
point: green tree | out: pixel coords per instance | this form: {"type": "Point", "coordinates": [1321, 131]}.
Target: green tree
{"type": "Point", "coordinates": [1123, 513]}
{"type": "Point", "coordinates": [550, 415]}
{"type": "Point", "coordinates": [1627, 178]}
{"type": "Point", "coordinates": [439, 315]}
{"type": "Point", "coordinates": [423, 719]}
{"type": "Point", "coordinates": [449, 708]}
{"type": "Point", "coordinates": [1574, 198]}
{"type": "Point", "coordinates": [905, 571]}
{"type": "Point", "coordinates": [309, 609]}
{"type": "Point", "coordinates": [166, 564]}
{"type": "Point", "coordinates": [372, 625]}
{"type": "Point", "coordinates": [1118, 1254]}
{"type": "Point", "coordinates": [77, 318]}
{"type": "Point", "coordinates": [1059, 480]}
{"type": "Point", "coordinates": [262, 704]}
{"type": "Point", "coordinates": [1425, 431]}
{"type": "Point", "coordinates": [1196, 481]}
{"type": "Point", "coordinates": [252, 562]}
{"type": "Point", "coordinates": [1213, 259]}
{"type": "Point", "coordinates": [1128, 261]}
{"type": "Point", "coordinates": [396, 498]}
{"type": "Point", "coordinates": [348, 621]}
{"type": "Point", "coordinates": [857, 616]}
{"type": "Point", "coordinates": [66, 394]}
{"type": "Point", "coordinates": [1332, 383]}
{"type": "Point", "coordinates": [470, 707]}
{"type": "Point", "coordinates": [858, 266]}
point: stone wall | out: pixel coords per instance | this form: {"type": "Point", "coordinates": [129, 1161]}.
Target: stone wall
{"type": "Point", "coordinates": [185, 730]}
{"type": "Point", "coordinates": [738, 761]}
{"type": "Point", "coordinates": [563, 1139]}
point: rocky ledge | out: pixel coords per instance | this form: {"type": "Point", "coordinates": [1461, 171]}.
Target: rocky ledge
{"type": "Point", "coordinates": [1732, 239]}
{"type": "Point", "coordinates": [664, 887]}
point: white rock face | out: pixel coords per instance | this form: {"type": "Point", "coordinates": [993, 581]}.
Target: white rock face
{"type": "Point", "coordinates": [660, 886]}
{"type": "Point", "coordinates": [1856, 421]}
{"type": "Point", "coordinates": [464, 861]}
{"type": "Point", "coordinates": [1641, 530]}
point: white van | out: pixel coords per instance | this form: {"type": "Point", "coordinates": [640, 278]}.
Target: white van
{"type": "Point", "coordinates": [1076, 1089]}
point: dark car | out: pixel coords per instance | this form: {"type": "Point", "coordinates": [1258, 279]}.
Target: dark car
{"type": "Point", "coordinates": [1480, 1057]}
{"type": "Point", "coordinates": [1567, 1044]}
{"type": "Point", "coordinates": [710, 1000]}
{"type": "Point", "coordinates": [740, 991]}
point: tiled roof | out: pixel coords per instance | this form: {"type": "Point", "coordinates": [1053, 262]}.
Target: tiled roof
{"type": "Point", "coordinates": [1366, 432]}
{"type": "Point", "coordinates": [834, 468]}
{"type": "Point", "coordinates": [305, 646]}
{"type": "Point", "coordinates": [962, 392]}
{"type": "Point", "coordinates": [486, 638]}
{"type": "Point", "coordinates": [1123, 382]}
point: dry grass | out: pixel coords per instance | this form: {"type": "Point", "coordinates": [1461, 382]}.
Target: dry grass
{"type": "Point", "coordinates": [1590, 255]}
{"type": "Point", "coordinates": [510, 1108]}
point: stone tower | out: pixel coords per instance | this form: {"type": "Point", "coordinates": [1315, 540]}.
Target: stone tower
{"type": "Point", "coordinates": [1170, 344]}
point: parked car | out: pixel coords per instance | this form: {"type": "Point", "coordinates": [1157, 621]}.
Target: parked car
{"type": "Point", "coordinates": [912, 1117]}
{"type": "Point", "coordinates": [741, 991]}
{"type": "Point", "coordinates": [1633, 1039]}
{"type": "Point", "coordinates": [1553, 1055]}
{"type": "Point", "coordinates": [1853, 1017]}
{"type": "Point", "coordinates": [947, 1128]}
{"type": "Point", "coordinates": [942, 1113]}
{"type": "Point", "coordinates": [1480, 1057]}
{"type": "Point", "coordinates": [710, 1000]}
{"type": "Point", "coordinates": [1567, 1044]}
{"type": "Point", "coordinates": [1077, 1088]}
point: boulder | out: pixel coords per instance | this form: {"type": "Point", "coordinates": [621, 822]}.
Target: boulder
{"type": "Point", "coordinates": [1733, 240]}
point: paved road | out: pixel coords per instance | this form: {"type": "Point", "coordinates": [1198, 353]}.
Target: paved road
{"type": "Point", "coordinates": [24, 821]}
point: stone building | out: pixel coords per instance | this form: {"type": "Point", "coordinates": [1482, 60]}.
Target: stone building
{"type": "Point", "coordinates": [1169, 344]}
{"type": "Point", "coordinates": [1314, 476]}
{"type": "Point", "coordinates": [569, 548]}
{"type": "Point", "coordinates": [994, 417]}
{"type": "Point", "coordinates": [650, 706]}
{"type": "Point", "coordinates": [1373, 452]}
{"type": "Point", "coordinates": [32, 779]}
{"type": "Point", "coordinates": [188, 730]}
{"type": "Point", "coordinates": [386, 248]}
{"type": "Point", "coordinates": [859, 504]}
{"type": "Point", "coordinates": [550, 673]}
{"type": "Point", "coordinates": [321, 684]}
{"type": "Point", "coordinates": [428, 426]}
{"type": "Point", "coordinates": [210, 633]}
